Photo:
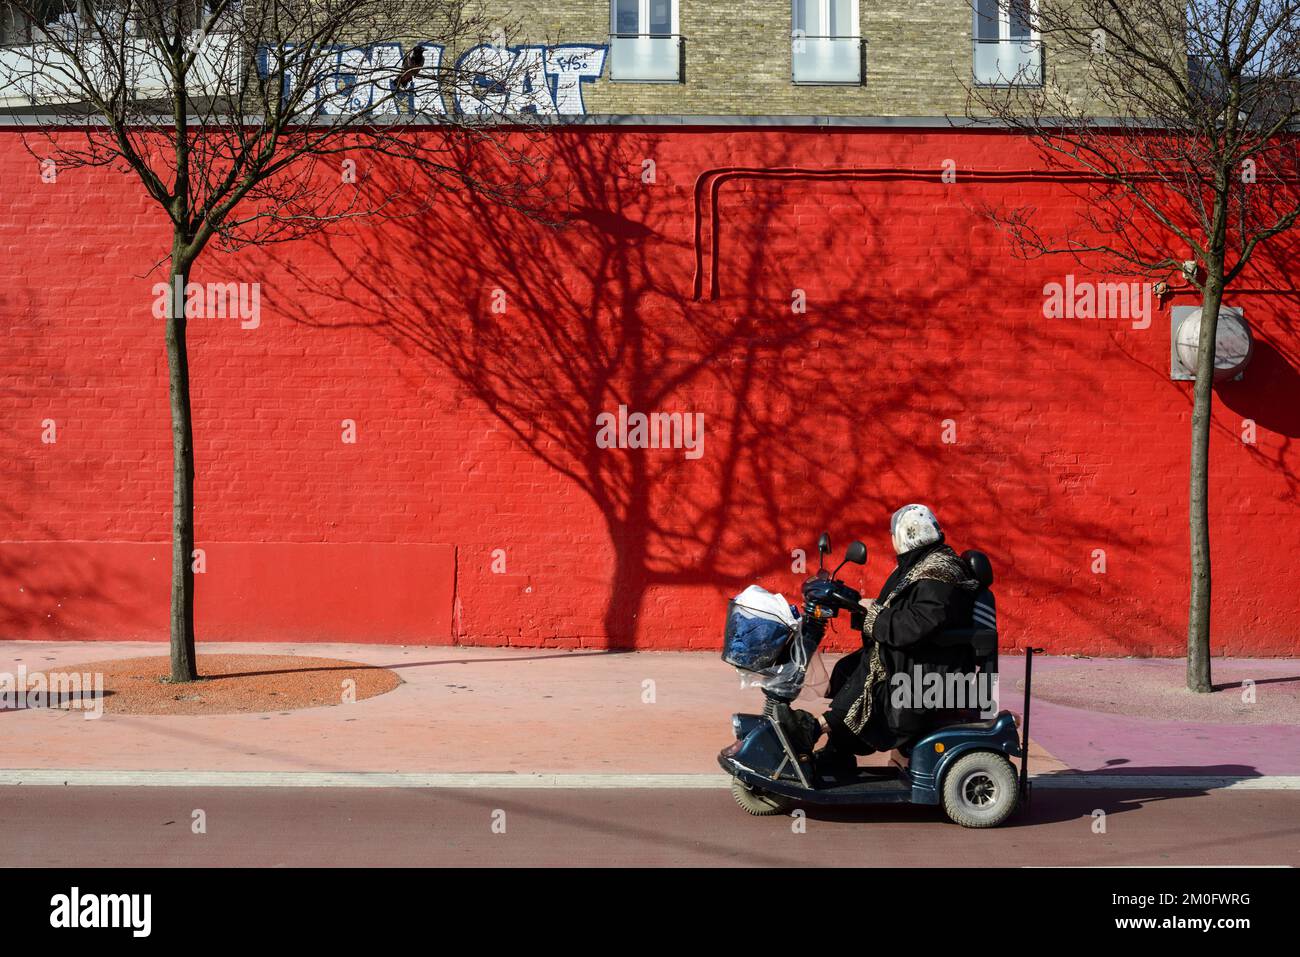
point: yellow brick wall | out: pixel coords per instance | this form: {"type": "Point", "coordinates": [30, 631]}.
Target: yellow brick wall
{"type": "Point", "coordinates": [738, 59]}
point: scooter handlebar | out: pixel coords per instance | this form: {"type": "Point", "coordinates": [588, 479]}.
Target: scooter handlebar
{"type": "Point", "coordinates": [826, 597]}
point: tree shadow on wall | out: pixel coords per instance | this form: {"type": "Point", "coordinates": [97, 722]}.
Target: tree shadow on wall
{"type": "Point", "coordinates": [600, 314]}
{"type": "Point", "coordinates": [1267, 387]}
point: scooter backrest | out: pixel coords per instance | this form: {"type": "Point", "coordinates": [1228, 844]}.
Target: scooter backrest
{"type": "Point", "coordinates": [979, 566]}
{"type": "Point", "coordinates": [984, 637]}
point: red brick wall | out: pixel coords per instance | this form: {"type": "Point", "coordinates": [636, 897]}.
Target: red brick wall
{"type": "Point", "coordinates": [476, 430]}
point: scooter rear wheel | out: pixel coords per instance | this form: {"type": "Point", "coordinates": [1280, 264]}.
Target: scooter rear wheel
{"type": "Point", "coordinates": [980, 790]}
{"type": "Point", "coordinates": [757, 802]}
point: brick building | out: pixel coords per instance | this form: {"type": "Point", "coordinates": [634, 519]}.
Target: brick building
{"type": "Point", "coordinates": [425, 437]}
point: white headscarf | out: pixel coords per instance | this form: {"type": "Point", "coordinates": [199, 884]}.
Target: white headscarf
{"type": "Point", "coordinates": [913, 526]}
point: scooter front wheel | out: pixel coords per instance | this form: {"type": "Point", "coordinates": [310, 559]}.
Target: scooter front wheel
{"type": "Point", "coordinates": [756, 802]}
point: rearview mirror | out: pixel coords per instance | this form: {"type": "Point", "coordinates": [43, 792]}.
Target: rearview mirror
{"type": "Point", "coordinates": [824, 543]}
{"type": "Point", "coordinates": [856, 553]}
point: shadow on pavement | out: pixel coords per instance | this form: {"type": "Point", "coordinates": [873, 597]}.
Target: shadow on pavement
{"type": "Point", "coordinates": [1055, 802]}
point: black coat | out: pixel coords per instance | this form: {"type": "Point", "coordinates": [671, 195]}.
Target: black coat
{"type": "Point", "coordinates": [919, 612]}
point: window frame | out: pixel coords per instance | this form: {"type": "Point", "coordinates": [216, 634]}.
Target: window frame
{"type": "Point", "coordinates": [824, 8]}
{"type": "Point", "coordinates": [643, 24]}
{"type": "Point", "coordinates": [1004, 37]}
{"type": "Point", "coordinates": [823, 13]}
{"type": "Point", "coordinates": [1004, 23]}
{"type": "Point", "coordinates": [643, 20]}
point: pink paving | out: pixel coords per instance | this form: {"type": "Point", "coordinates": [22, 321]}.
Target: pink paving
{"type": "Point", "coordinates": [516, 710]}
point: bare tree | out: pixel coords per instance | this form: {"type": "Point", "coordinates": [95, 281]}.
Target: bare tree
{"type": "Point", "coordinates": [1176, 123]}
{"type": "Point", "coordinates": [243, 119]}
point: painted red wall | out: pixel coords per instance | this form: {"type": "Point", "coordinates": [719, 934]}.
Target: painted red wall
{"type": "Point", "coordinates": [476, 429]}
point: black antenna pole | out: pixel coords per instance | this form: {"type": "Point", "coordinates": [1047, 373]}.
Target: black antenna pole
{"type": "Point", "coordinates": [1024, 740]}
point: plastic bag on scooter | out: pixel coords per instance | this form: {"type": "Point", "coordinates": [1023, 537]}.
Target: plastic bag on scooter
{"type": "Point", "coordinates": [784, 678]}
{"type": "Point", "coordinates": [817, 679]}
{"type": "Point", "coordinates": [759, 626]}
{"type": "Point", "coordinates": [791, 680]}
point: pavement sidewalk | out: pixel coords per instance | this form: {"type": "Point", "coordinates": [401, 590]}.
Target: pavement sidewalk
{"type": "Point", "coordinates": [561, 716]}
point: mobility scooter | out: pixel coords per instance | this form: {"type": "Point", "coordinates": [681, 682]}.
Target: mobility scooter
{"type": "Point", "coordinates": [963, 765]}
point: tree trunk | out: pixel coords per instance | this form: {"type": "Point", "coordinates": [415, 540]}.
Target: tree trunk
{"type": "Point", "coordinates": [183, 662]}
{"type": "Point", "coordinates": [1198, 615]}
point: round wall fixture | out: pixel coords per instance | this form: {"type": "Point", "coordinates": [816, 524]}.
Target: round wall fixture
{"type": "Point", "coordinates": [1233, 346]}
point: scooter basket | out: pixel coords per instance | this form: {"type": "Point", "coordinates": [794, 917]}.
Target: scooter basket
{"type": "Point", "coordinates": [755, 639]}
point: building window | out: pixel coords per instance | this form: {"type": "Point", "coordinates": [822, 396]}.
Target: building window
{"type": "Point", "coordinates": [1008, 48]}
{"type": "Point", "coordinates": [644, 43]}
{"type": "Point", "coordinates": [60, 18]}
{"type": "Point", "coordinates": [826, 43]}
{"type": "Point", "coordinates": [67, 19]}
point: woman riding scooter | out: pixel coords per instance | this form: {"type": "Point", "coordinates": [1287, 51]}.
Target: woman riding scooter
{"type": "Point", "coordinates": [930, 590]}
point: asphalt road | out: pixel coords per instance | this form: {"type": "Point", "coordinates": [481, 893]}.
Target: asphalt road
{"type": "Point", "coordinates": [152, 826]}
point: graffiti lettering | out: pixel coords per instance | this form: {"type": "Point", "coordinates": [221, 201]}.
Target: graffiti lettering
{"type": "Point", "coordinates": [383, 80]}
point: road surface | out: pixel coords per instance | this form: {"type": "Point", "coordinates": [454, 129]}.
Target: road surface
{"type": "Point", "coordinates": [269, 826]}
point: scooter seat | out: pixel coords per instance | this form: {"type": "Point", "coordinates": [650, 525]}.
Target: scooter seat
{"type": "Point", "coordinates": [985, 725]}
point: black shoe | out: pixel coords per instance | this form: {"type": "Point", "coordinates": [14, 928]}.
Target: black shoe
{"type": "Point", "coordinates": [801, 728]}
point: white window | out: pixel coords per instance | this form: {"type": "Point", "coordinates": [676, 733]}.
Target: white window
{"type": "Point", "coordinates": [825, 42]}
{"type": "Point", "coordinates": [1008, 48]}
{"type": "Point", "coordinates": [826, 18]}
{"type": "Point", "coordinates": [644, 41]}
{"type": "Point", "coordinates": [655, 18]}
